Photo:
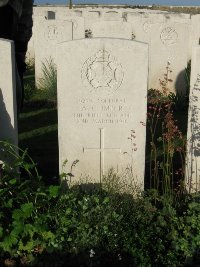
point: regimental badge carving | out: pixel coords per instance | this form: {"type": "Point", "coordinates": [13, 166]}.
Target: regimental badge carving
{"type": "Point", "coordinates": [102, 72]}
{"type": "Point", "coordinates": [169, 36]}
{"type": "Point", "coordinates": [53, 33]}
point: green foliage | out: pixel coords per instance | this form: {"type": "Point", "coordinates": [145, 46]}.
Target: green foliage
{"type": "Point", "coordinates": [180, 101]}
{"type": "Point", "coordinates": [38, 221]}
{"type": "Point", "coordinates": [48, 83]}
{"type": "Point", "coordinates": [167, 143]}
{"type": "Point", "coordinates": [29, 90]}
{"type": "Point", "coordinates": [109, 226]}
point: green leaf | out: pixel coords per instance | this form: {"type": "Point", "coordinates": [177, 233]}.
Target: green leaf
{"type": "Point", "coordinates": [26, 247]}
{"type": "Point", "coordinates": [96, 200]}
{"type": "Point", "coordinates": [13, 181]}
{"type": "Point", "coordinates": [106, 200]}
{"type": "Point", "coordinates": [8, 242]}
{"type": "Point", "coordinates": [48, 235]}
{"type": "Point", "coordinates": [9, 204]}
{"type": "Point", "coordinates": [27, 209]}
{"type": "Point", "coordinates": [18, 228]}
{"type": "Point", "coordinates": [68, 211]}
{"type": "Point", "coordinates": [54, 190]}
{"type": "Point", "coordinates": [18, 215]}
{"type": "Point", "coordinates": [29, 229]}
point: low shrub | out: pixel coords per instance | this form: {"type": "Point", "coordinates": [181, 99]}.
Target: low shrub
{"type": "Point", "coordinates": [46, 226]}
{"type": "Point", "coordinates": [48, 82]}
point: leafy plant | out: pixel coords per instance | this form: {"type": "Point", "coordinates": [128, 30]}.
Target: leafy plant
{"type": "Point", "coordinates": [44, 225]}
{"type": "Point", "coordinates": [166, 140]}
{"type": "Point", "coordinates": [48, 82]}
{"type": "Point", "coordinates": [29, 90]}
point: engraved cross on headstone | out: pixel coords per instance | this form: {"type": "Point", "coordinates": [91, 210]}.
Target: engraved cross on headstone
{"type": "Point", "coordinates": [101, 149]}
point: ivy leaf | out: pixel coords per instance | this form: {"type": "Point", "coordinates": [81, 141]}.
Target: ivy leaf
{"type": "Point", "coordinates": [12, 181]}
{"type": "Point", "coordinates": [26, 247]}
{"type": "Point", "coordinates": [8, 242]}
{"type": "Point", "coordinates": [29, 229]}
{"type": "Point", "coordinates": [9, 204]}
{"type": "Point", "coordinates": [27, 209]}
{"type": "Point", "coordinates": [53, 191]}
{"type": "Point", "coordinates": [17, 215]}
{"type": "Point", "coordinates": [18, 228]}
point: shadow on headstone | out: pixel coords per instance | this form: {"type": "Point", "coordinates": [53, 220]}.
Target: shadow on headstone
{"type": "Point", "coordinates": [7, 132]}
{"type": "Point", "coordinates": [6, 129]}
{"type": "Point", "coordinates": [194, 124]}
{"type": "Point", "coordinates": [180, 84]}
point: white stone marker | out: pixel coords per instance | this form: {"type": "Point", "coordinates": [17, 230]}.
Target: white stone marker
{"type": "Point", "coordinates": [78, 25]}
{"type": "Point", "coordinates": [47, 34]}
{"type": "Point", "coordinates": [195, 32]}
{"type": "Point", "coordinates": [30, 54]}
{"type": "Point", "coordinates": [90, 17]}
{"type": "Point", "coordinates": [193, 133]}
{"type": "Point", "coordinates": [168, 36]}
{"type": "Point", "coordinates": [112, 15]}
{"type": "Point", "coordinates": [169, 43]}
{"type": "Point", "coordinates": [102, 98]}
{"type": "Point", "coordinates": [112, 29]}
{"type": "Point", "coordinates": [8, 108]}
{"type": "Point", "coordinates": [142, 22]}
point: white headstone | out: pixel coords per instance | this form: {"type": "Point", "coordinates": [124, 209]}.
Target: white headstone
{"type": "Point", "coordinates": [141, 24]}
{"type": "Point", "coordinates": [112, 15]}
{"type": "Point", "coordinates": [195, 32]}
{"type": "Point", "coordinates": [78, 25]}
{"type": "Point", "coordinates": [46, 35]}
{"type": "Point", "coordinates": [168, 36]}
{"type": "Point", "coordinates": [8, 108]}
{"type": "Point", "coordinates": [193, 134]}
{"type": "Point", "coordinates": [112, 29]}
{"type": "Point", "coordinates": [30, 55]}
{"type": "Point", "coordinates": [169, 45]}
{"type": "Point", "coordinates": [90, 17]}
{"type": "Point", "coordinates": [78, 13]}
{"type": "Point", "coordinates": [102, 99]}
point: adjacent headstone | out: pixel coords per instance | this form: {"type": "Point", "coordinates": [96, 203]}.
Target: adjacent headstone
{"type": "Point", "coordinates": [91, 16]}
{"type": "Point", "coordinates": [78, 13]}
{"type": "Point", "coordinates": [102, 84]}
{"type": "Point", "coordinates": [142, 22]}
{"type": "Point", "coordinates": [169, 45]}
{"type": "Point", "coordinates": [193, 133]}
{"type": "Point", "coordinates": [112, 15]}
{"type": "Point", "coordinates": [168, 36]}
{"type": "Point", "coordinates": [30, 55]}
{"type": "Point", "coordinates": [8, 108]}
{"type": "Point", "coordinates": [78, 25]}
{"type": "Point", "coordinates": [112, 29]}
{"type": "Point", "coordinates": [195, 33]}
{"type": "Point", "coordinates": [46, 35]}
